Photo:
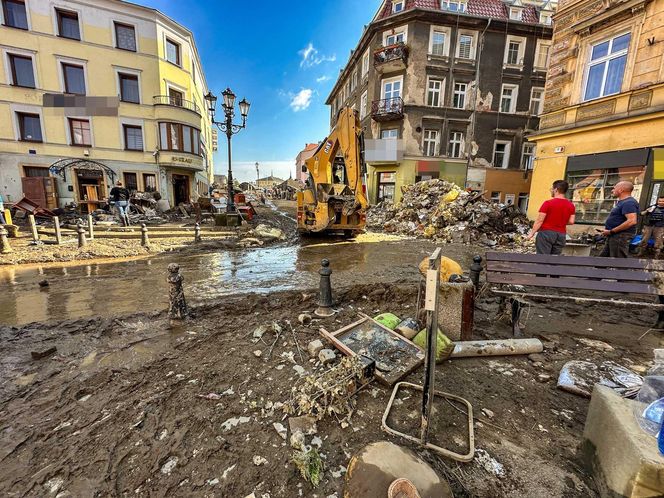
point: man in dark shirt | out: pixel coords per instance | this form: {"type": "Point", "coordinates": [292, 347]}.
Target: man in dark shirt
{"type": "Point", "coordinates": [653, 227]}
{"type": "Point", "coordinates": [120, 196]}
{"type": "Point", "coordinates": [620, 226]}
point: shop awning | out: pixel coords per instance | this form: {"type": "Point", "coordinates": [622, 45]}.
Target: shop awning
{"type": "Point", "coordinates": [608, 160]}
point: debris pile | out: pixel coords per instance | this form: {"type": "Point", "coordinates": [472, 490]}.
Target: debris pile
{"type": "Point", "coordinates": [443, 211]}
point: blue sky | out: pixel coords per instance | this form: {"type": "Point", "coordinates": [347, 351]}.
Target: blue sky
{"type": "Point", "coordinates": [258, 48]}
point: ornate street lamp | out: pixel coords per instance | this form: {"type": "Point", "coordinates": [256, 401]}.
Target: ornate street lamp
{"type": "Point", "coordinates": [258, 175]}
{"type": "Point", "coordinates": [226, 126]}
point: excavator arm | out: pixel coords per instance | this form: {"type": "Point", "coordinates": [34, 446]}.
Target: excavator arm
{"type": "Point", "coordinates": [336, 175]}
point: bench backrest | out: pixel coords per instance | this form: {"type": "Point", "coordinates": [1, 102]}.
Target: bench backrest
{"type": "Point", "coordinates": [638, 276]}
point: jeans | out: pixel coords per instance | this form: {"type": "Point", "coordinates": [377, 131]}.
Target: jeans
{"type": "Point", "coordinates": [550, 242]}
{"type": "Point", "coordinates": [617, 245]}
{"type": "Point", "coordinates": [123, 208]}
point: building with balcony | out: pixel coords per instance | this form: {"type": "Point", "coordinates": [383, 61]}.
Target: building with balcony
{"type": "Point", "coordinates": [95, 91]}
{"type": "Point", "coordinates": [603, 106]}
{"type": "Point", "coordinates": [456, 85]}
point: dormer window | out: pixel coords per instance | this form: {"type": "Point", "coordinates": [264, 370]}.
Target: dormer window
{"type": "Point", "coordinates": [397, 6]}
{"type": "Point", "coordinates": [516, 13]}
{"type": "Point", "coordinates": [454, 5]}
{"type": "Point", "coordinates": [545, 18]}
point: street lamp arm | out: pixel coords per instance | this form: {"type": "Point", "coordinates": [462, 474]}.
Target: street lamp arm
{"type": "Point", "coordinates": [229, 127]}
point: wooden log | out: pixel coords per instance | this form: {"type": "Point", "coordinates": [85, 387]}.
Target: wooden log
{"type": "Point", "coordinates": [500, 347]}
{"type": "Point", "coordinates": [58, 233]}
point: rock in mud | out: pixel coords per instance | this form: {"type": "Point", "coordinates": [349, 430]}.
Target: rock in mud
{"type": "Point", "coordinates": [326, 356]}
{"type": "Point", "coordinates": [281, 430]}
{"type": "Point", "coordinates": [305, 424]}
{"type": "Point", "coordinates": [315, 347]}
{"type": "Point", "coordinates": [304, 318]}
{"type": "Point", "coordinates": [38, 355]}
{"type": "Point", "coordinates": [259, 460]}
{"type": "Point", "coordinates": [170, 464]}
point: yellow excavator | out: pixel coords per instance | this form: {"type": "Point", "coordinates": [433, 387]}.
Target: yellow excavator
{"type": "Point", "coordinates": [334, 198]}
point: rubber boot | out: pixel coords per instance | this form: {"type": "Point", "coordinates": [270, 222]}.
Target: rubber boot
{"type": "Point", "coordinates": [127, 223]}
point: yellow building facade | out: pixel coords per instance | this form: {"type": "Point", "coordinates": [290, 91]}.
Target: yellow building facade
{"type": "Point", "coordinates": [96, 91]}
{"type": "Point", "coordinates": [603, 115]}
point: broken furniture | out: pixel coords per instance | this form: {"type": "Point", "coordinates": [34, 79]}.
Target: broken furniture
{"type": "Point", "coordinates": [395, 356]}
{"type": "Point", "coordinates": [607, 275]}
{"type": "Point", "coordinates": [33, 208]}
{"type": "Point", "coordinates": [431, 303]}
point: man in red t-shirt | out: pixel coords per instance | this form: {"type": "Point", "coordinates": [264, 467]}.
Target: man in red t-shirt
{"type": "Point", "coordinates": [551, 224]}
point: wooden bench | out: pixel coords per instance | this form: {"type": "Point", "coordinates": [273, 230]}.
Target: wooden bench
{"type": "Point", "coordinates": [605, 275]}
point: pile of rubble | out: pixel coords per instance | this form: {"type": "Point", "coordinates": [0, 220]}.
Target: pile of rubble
{"type": "Point", "coordinates": [443, 211]}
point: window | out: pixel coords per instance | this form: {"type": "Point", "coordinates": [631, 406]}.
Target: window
{"type": "Point", "coordinates": [386, 186]}
{"type": "Point", "coordinates": [527, 156]}
{"type": "Point", "coordinates": [79, 130]}
{"type": "Point", "coordinates": [523, 202]}
{"type": "Point", "coordinates": [149, 182]}
{"type": "Point", "coordinates": [495, 197]}
{"type": "Point", "coordinates": [545, 18]}
{"type": "Point", "coordinates": [508, 97]}
{"type": "Point", "coordinates": [74, 79]}
{"type": "Point", "coordinates": [22, 71]}
{"type": "Point", "coordinates": [516, 13]}
{"type": "Point", "coordinates": [542, 54]}
{"type": "Point", "coordinates": [131, 181]}
{"type": "Point", "coordinates": [133, 137]}
{"type": "Point", "coordinates": [456, 144]}
{"type": "Point", "coordinates": [607, 67]}
{"type": "Point", "coordinates": [391, 89]}
{"type": "Point", "coordinates": [515, 48]}
{"type": "Point", "coordinates": [434, 93]}
{"type": "Point", "coordinates": [172, 52]}
{"type": "Point", "coordinates": [363, 105]}
{"type": "Point", "coordinates": [465, 46]}
{"type": "Point", "coordinates": [391, 134]}
{"type": "Point", "coordinates": [29, 127]}
{"type": "Point", "coordinates": [129, 91]}
{"type": "Point", "coordinates": [437, 42]}
{"type": "Point", "coordinates": [179, 137]}
{"type": "Point", "coordinates": [536, 100]}
{"type": "Point", "coordinates": [397, 6]}
{"type": "Point", "coordinates": [395, 36]}
{"type": "Point", "coordinates": [175, 97]}
{"type": "Point", "coordinates": [68, 24]}
{"type": "Point", "coordinates": [365, 63]}
{"type": "Point", "coordinates": [459, 100]}
{"type": "Point", "coordinates": [125, 37]}
{"type": "Point", "coordinates": [15, 14]}
{"type": "Point", "coordinates": [353, 81]}
{"type": "Point", "coordinates": [453, 5]}
{"type": "Point", "coordinates": [501, 154]}
{"type": "Point", "coordinates": [430, 143]}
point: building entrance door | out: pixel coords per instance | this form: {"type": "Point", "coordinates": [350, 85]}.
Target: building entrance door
{"type": "Point", "coordinates": [91, 189]}
{"type": "Point", "coordinates": [180, 189]}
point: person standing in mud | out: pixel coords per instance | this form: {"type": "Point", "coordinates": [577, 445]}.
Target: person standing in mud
{"type": "Point", "coordinates": [551, 224]}
{"type": "Point", "coordinates": [120, 196]}
{"type": "Point", "coordinates": [620, 226]}
{"type": "Point", "coordinates": [653, 227]}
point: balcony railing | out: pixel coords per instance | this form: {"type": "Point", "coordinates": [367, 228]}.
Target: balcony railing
{"type": "Point", "coordinates": [393, 55]}
{"type": "Point", "coordinates": [176, 102]}
{"type": "Point", "coordinates": [387, 109]}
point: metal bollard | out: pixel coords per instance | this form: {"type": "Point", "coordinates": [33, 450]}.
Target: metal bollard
{"type": "Point", "coordinates": [91, 233]}
{"type": "Point", "coordinates": [145, 242]}
{"type": "Point", "coordinates": [58, 233]}
{"type": "Point", "coordinates": [5, 248]}
{"type": "Point", "coordinates": [177, 306]}
{"type": "Point", "coordinates": [475, 270]}
{"type": "Point", "coordinates": [81, 236]}
{"type": "Point", "coordinates": [197, 233]}
{"type": "Point", "coordinates": [325, 296]}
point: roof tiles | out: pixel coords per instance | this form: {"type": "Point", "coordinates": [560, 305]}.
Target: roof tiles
{"type": "Point", "coordinates": [496, 9]}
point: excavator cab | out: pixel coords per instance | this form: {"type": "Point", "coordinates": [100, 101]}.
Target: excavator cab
{"type": "Point", "coordinates": [333, 199]}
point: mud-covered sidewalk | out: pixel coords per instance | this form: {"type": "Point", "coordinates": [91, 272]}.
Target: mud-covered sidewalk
{"type": "Point", "coordinates": [123, 407]}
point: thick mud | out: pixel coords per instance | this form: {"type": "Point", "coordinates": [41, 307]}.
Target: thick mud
{"type": "Point", "coordinates": [121, 409]}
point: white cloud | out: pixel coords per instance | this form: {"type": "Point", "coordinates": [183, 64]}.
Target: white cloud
{"type": "Point", "coordinates": [323, 79]}
{"type": "Point", "coordinates": [301, 100]}
{"type": "Point", "coordinates": [311, 57]}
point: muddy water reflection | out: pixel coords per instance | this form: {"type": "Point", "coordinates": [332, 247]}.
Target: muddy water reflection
{"type": "Point", "coordinates": [140, 285]}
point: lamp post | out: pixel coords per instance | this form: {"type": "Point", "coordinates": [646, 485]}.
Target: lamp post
{"type": "Point", "coordinates": [258, 175]}
{"type": "Point", "coordinates": [229, 129]}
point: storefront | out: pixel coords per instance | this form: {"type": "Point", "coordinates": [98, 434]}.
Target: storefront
{"type": "Point", "coordinates": [592, 177]}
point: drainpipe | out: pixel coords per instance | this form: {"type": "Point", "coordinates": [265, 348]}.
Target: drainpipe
{"type": "Point", "coordinates": [477, 91]}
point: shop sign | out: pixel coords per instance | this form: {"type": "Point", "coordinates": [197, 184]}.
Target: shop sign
{"type": "Point", "coordinates": [185, 160]}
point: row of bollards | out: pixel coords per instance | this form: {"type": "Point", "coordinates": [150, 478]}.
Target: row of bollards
{"type": "Point", "coordinates": [177, 304]}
